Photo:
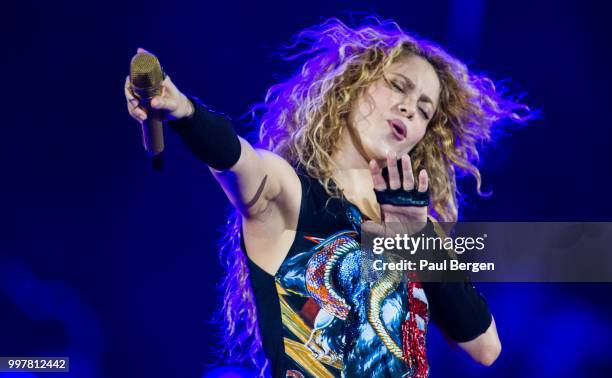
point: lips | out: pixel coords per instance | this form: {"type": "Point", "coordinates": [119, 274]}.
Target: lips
{"type": "Point", "coordinates": [398, 128]}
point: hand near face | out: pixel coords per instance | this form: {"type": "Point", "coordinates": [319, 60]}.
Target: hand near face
{"type": "Point", "coordinates": [396, 219]}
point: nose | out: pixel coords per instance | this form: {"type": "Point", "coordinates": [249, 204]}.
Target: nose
{"type": "Point", "coordinates": [407, 109]}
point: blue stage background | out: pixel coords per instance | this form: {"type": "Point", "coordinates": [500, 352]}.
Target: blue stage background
{"type": "Point", "coordinates": [113, 264]}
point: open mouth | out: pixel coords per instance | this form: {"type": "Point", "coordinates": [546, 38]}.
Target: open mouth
{"type": "Point", "coordinates": [398, 128]}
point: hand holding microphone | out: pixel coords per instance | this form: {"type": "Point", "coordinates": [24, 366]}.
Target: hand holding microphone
{"type": "Point", "coordinates": [153, 99]}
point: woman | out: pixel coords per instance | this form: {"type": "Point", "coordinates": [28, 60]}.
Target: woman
{"type": "Point", "coordinates": [325, 165]}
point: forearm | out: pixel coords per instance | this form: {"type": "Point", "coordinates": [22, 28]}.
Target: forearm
{"type": "Point", "coordinates": [485, 348]}
{"type": "Point", "coordinates": [459, 308]}
{"type": "Point", "coordinates": [462, 313]}
{"type": "Point", "coordinates": [209, 135]}
{"type": "Point", "coordinates": [464, 316]}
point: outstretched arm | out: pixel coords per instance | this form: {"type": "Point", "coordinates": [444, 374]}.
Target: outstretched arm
{"type": "Point", "coordinates": [252, 179]}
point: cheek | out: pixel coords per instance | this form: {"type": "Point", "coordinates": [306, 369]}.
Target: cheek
{"type": "Point", "coordinates": [366, 119]}
{"type": "Point", "coordinates": [416, 134]}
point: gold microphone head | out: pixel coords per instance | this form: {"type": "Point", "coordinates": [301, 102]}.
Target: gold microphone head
{"type": "Point", "coordinates": [146, 77]}
{"type": "Point", "coordinates": [146, 74]}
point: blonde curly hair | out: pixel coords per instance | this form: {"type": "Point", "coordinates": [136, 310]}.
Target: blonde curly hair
{"type": "Point", "coordinates": [302, 117]}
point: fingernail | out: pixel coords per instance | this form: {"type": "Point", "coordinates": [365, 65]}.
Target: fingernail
{"type": "Point", "coordinates": [134, 102]}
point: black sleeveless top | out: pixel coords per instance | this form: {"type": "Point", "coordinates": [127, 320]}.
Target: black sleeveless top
{"type": "Point", "coordinates": [317, 318]}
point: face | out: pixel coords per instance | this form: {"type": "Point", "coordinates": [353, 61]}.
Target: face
{"type": "Point", "coordinates": [393, 113]}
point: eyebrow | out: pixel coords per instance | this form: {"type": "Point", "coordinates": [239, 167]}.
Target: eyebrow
{"type": "Point", "coordinates": [411, 85]}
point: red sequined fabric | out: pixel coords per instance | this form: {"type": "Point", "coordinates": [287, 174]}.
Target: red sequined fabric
{"type": "Point", "coordinates": [413, 339]}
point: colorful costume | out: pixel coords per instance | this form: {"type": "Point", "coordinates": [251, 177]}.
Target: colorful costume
{"type": "Point", "coordinates": [334, 322]}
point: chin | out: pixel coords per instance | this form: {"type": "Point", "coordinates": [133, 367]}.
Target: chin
{"type": "Point", "coordinates": [382, 149]}
{"type": "Point", "coordinates": [377, 149]}
{"type": "Point", "coordinates": [379, 153]}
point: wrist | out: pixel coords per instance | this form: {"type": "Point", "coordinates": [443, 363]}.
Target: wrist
{"type": "Point", "coordinates": [189, 108]}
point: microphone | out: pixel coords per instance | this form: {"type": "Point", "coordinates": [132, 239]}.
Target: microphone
{"type": "Point", "coordinates": [146, 76]}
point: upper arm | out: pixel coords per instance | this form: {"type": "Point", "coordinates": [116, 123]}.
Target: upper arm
{"type": "Point", "coordinates": [258, 182]}
{"type": "Point", "coordinates": [265, 188]}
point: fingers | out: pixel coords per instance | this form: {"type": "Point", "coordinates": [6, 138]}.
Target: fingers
{"type": "Point", "coordinates": [165, 103]}
{"type": "Point", "coordinates": [377, 177]}
{"type": "Point", "coordinates": [129, 96]}
{"type": "Point", "coordinates": [394, 179]}
{"type": "Point", "coordinates": [137, 113]}
{"type": "Point", "coordinates": [406, 181]}
{"type": "Point", "coordinates": [169, 87]}
{"type": "Point", "coordinates": [407, 177]}
{"type": "Point", "coordinates": [132, 103]}
{"type": "Point", "coordinates": [423, 180]}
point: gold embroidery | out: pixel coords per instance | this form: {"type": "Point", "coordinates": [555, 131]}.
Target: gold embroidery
{"type": "Point", "coordinates": [298, 351]}
{"type": "Point", "coordinates": [380, 290]}
{"type": "Point", "coordinates": [303, 356]}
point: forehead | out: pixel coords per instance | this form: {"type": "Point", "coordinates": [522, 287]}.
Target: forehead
{"type": "Point", "coordinates": [420, 72]}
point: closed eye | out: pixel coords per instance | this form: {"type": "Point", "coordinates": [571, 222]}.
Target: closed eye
{"type": "Point", "coordinates": [424, 113]}
{"type": "Point", "coordinates": [397, 86]}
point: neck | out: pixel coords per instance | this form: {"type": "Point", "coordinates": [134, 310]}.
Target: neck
{"type": "Point", "coordinates": [352, 173]}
